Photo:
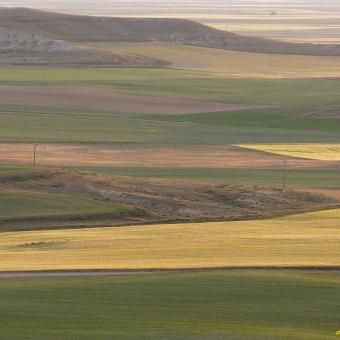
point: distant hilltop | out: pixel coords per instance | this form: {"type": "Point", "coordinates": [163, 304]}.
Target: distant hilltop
{"type": "Point", "coordinates": [29, 36]}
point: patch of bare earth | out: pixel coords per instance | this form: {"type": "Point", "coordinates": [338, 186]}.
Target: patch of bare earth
{"type": "Point", "coordinates": [163, 201]}
{"type": "Point", "coordinates": [107, 100]}
{"type": "Point", "coordinates": [133, 155]}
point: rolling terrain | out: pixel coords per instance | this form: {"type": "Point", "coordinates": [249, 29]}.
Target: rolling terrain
{"type": "Point", "coordinates": [26, 48]}
{"type": "Point", "coordinates": [116, 201]}
{"type": "Point", "coordinates": [301, 20]}
{"type": "Point", "coordinates": [99, 29]}
{"type": "Point", "coordinates": [301, 241]}
{"type": "Point", "coordinates": [185, 185]}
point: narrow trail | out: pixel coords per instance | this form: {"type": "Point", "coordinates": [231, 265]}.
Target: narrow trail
{"type": "Point", "coordinates": [123, 272]}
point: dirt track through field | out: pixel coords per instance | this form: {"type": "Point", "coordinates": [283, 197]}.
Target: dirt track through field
{"type": "Point", "coordinates": [129, 155]}
{"type": "Point", "coordinates": [77, 273]}
{"type": "Point", "coordinates": [106, 100]}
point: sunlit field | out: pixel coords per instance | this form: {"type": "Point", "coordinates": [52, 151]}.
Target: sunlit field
{"type": "Point", "coordinates": [326, 152]}
{"type": "Point", "coordinates": [299, 240]}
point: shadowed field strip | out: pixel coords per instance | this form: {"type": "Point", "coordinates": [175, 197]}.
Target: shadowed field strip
{"type": "Point", "coordinates": [326, 152]}
{"type": "Point", "coordinates": [301, 240]}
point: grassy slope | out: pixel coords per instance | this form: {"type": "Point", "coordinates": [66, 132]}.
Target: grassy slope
{"type": "Point", "coordinates": [20, 204]}
{"type": "Point", "coordinates": [297, 178]}
{"type": "Point", "coordinates": [218, 305]}
{"type": "Point", "coordinates": [9, 170]}
{"type": "Point", "coordinates": [300, 240]}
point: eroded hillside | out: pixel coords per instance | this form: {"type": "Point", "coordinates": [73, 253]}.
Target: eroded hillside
{"type": "Point", "coordinates": [156, 200]}
{"type": "Point", "coordinates": [77, 28]}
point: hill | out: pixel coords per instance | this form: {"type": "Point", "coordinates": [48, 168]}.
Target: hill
{"type": "Point", "coordinates": [78, 28]}
{"type": "Point", "coordinates": [149, 200]}
{"type": "Point", "coordinates": [25, 47]}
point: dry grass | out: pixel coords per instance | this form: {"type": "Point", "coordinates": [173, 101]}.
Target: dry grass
{"type": "Point", "coordinates": [325, 152]}
{"type": "Point", "coordinates": [302, 240]}
{"type": "Point", "coordinates": [231, 63]}
{"type": "Point", "coordinates": [130, 155]}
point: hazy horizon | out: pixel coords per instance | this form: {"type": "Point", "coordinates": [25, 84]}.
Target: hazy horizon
{"type": "Point", "coordinates": [294, 20]}
{"type": "Point", "coordinates": [103, 6]}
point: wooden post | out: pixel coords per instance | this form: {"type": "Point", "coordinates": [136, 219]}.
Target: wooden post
{"type": "Point", "coordinates": [35, 145]}
{"type": "Point", "coordinates": [284, 161]}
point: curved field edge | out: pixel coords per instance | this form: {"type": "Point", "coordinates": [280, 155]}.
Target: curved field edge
{"type": "Point", "coordinates": [310, 239]}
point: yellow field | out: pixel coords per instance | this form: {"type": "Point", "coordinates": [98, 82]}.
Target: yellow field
{"type": "Point", "coordinates": [324, 152]}
{"type": "Point", "coordinates": [230, 63]}
{"type": "Point", "coordinates": [299, 240]}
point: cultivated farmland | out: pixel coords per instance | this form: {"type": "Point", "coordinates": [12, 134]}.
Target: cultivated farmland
{"type": "Point", "coordinates": [161, 180]}
{"type": "Point", "coordinates": [324, 152]}
{"type": "Point", "coordinates": [306, 240]}
{"type": "Point", "coordinates": [266, 303]}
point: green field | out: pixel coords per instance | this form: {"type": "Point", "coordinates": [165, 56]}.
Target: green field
{"type": "Point", "coordinates": [21, 205]}
{"type": "Point", "coordinates": [9, 170]}
{"type": "Point", "coordinates": [296, 178]}
{"type": "Point", "coordinates": [51, 128]}
{"type": "Point", "coordinates": [185, 84]}
{"type": "Point", "coordinates": [211, 305]}
{"type": "Point", "coordinates": [286, 121]}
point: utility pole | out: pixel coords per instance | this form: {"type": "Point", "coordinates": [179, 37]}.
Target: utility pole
{"type": "Point", "coordinates": [227, 24]}
{"type": "Point", "coordinates": [284, 162]}
{"type": "Point", "coordinates": [35, 145]}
